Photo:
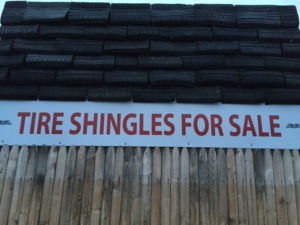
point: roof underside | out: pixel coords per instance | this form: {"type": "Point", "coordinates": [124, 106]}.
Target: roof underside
{"type": "Point", "coordinates": [150, 53]}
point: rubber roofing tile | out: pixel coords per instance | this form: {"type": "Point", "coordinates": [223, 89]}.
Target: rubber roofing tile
{"type": "Point", "coordinates": [88, 13]}
{"type": "Point", "coordinates": [38, 12]}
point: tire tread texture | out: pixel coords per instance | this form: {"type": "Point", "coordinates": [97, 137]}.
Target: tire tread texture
{"type": "Point", "coordinates": [19, 92]}
{"type": "Point", "coordinates": [217, 77]}
{"type": "Point", "coordinates": [217, 14]}
{"type": "Point", "coordinates": [172, 77]}
{"type": "Point", "coordinates": [3, 74]}
{"type": "Point", "coordinates": [173, 48]}
{"type": "Point", "coordinates": [13, 12]}
{"type": "Point", "coordinates": [126, 77]}
{"type": "Point", "coordinates": [150, 52]}
{"type": "Point", "coordinates": [88, 13]}
{"type": "Point", "coordinates": [153, 94]}
{"type": "Point", "coordinates": [130, 14]}
{"type": "Point", "coordinates": [49, 60]}
{"type": "Point", "coordinates": [37, 12]}
{"type": "Point", "coordinates": [101, 62]}
{"type": "Point", "coordinates": [282, 96]}
{"type": "Point", "coordinates": [109, 94]}
{"type": "Point", "coordinates": [263, 78]}
{"type": "Point", "coordinates": [210, 94]}
{"type": "Point", "coordinates": [79, 77]}
{"type": "Point", "coordinates": [35, 76]}
{"type": "Point", "coordinates": [11, 31]}
{"type": "Point", "coordinates": [126, 47]}
{"type": "Point", "coordinates": [234, 95]}
{"type": "Point", "coordinates": [63, 93]}
{"type": "Point", "coordinates": [171, 14]}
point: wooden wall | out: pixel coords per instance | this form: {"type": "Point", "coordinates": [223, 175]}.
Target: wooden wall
{"type": "Point", "coordinates": [148, 186]}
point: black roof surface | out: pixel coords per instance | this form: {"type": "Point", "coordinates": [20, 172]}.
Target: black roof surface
{"type": "Point", "coordinates": [200, 53]}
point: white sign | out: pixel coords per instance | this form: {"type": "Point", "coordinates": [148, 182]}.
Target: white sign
{"type": "Point", "coordinates": [144, 124]}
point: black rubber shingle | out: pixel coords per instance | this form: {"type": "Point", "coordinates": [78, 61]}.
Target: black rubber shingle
{"type": "Point", "coordinates": [29, 76]}
{"type": "Point", "coordinates": [172, 14]}
{"type": "Point", "coordinates": [217, 77]}
{"type": "Point", "coordinates": [288, 16]}
{"type": "Point", "coordinates": [130, 14]}
{"type": "Point", "coordinates": [258, 16]}
{"type": "Point", "coordinates": [3, 74]}
{"type": "Point", "coordinates": [203, 61]}
{"type": "Point", "coordinates": [126, 62]}
{"type": "Point", "coordinates": [260, 48]}
{"type": "Point", "coordinates": [106, 32]}
{"type": "Point", "coordinates": [173, 48]}
{"type": "Point", "coordinates": [287, 34]}
{"type": "Point", "coordinates": [153, 94]}
{"type": "Point", "coordinates": [218, 14]}
{"type": "Point", "coordinates": [170, 78]}
{"type": "Point", "coordinates": [38, 12]}
{"type": "Point", "coordinates": [34, 46]}
{"type": "Point", "coordinates": [189, 33]}
{"type": "Point", "coordinates": [101, 62]}
{"type": "Point", "coordinates": [281, 63]}
{"type": "Point", "coordinates": [88, 13]}
{"type": "Point", "coordinates": [79, 77]}
{"type": "Point", "coordinates": [218, 47]}
{"type": "Point", "coordinates": [291, 49]}
{"type": "Point", "coordinates": [126, 77]}
{"type": "Point", "coordinates": [46, 60]}
{"type": "Point", "coordinates": [12, 60]}
{"type": "Point", "coordinates": [292, 80]}
{"type": "Point", "coordinates": [13, 12]}
{"type": "Point", "coordinates": [79, 47]}
{"type": "Point", "coordinates": [224, 33]}
{"type": "Point", "coordinates": [198, 95]}
{"type": "Point", "coordinates": [126, 47]}
{"type": "Point", "coordinates": [282, 96]}
{"type": "Point", "coordinates": [19, 31]}
{"type": "Point", "coordinates": [160, 62]}
{"type": "Point", "coordinates": [148, 32]}
{"type": "Point", "coordinates": [263, 78]}
{"type": "Point", "coordinates": [245, 62]}
{"type": "Point", "coordinates": [109, 94]}
{"type": "Point", "coordinates": [5, 46]}
{"type": "Point", "coordinates": [234, 95]}
{"type": "Point", "coordinates": [52, 31]}
{"type": "Point", "coordinates": [63, 93]}
{"type": "Point", "coordinates": [19, 92]}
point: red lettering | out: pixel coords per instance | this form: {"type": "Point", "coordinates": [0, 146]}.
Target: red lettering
{"type": "Point", "coordinates": [156, 124]}
{"type": "Point", "coordinates": [23, 116]}
{"type": "Point", "coordinates": [56, 123]}
{"type": "Point", "coordinates": [206, 125]}
{"type": "Point", "coordinates": [169, 124]}
{"type": "Point", "coordinates": [43, 123]}
{"type": "Point", "coordinates": [75, 123]}
{"type": "Point", "coordinates": [92, 123]}
{"type": "Point", "coordinates": [32, 123]}
{"type": "Point", "coordinates": [261, 133]}
{"type": "Point", "coordinates": [185, 124]}
{"type": "Point", "coordinates": [133, 125]}
{"type": "Point", "coordinates": [102, 118]}
{"type": "Point", "coordinates": [215, 124]}
{"type": "Point", "coordinates": [235, 125]}
{"type": "Point", "coordinates": [274, 125]}
{"type": "Point", "coordinates": [142, 131]}
{"type": "Point", "coordinates": [248, 126]}
{"type": "Point", "coordinates": [111, 121]}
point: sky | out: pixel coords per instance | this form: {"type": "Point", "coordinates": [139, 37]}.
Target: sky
{"type": "Point", "coordinates": [235, 2]}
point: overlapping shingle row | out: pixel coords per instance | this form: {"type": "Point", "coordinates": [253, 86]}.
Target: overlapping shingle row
{"type": "Point", "coordinates": [150, 53]}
